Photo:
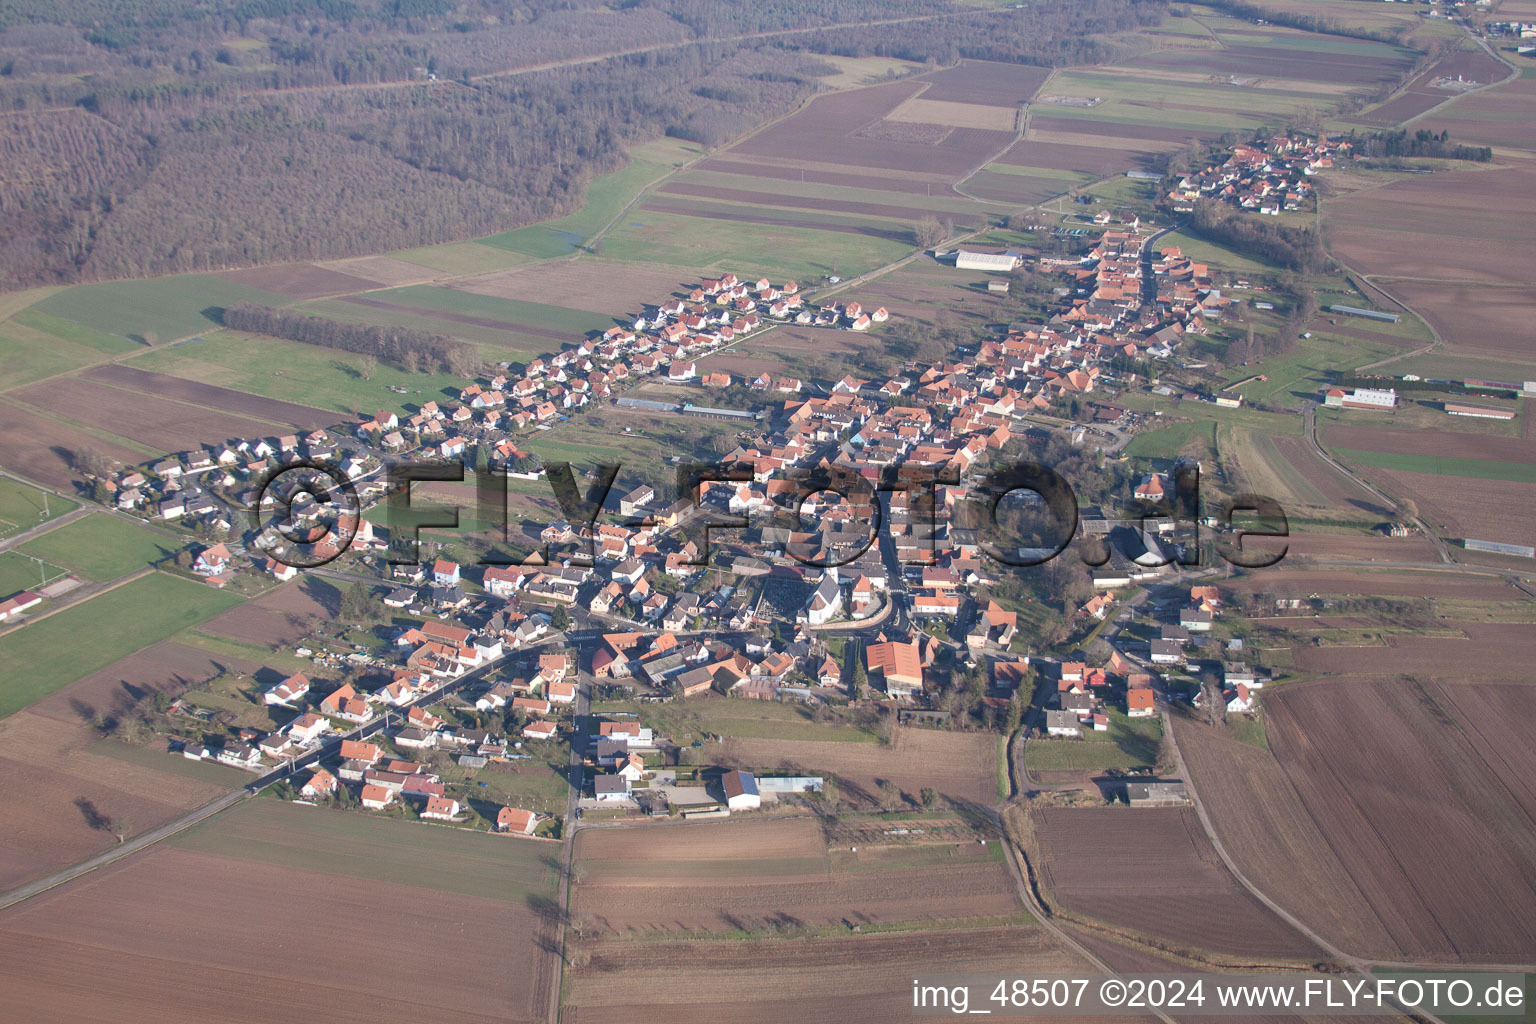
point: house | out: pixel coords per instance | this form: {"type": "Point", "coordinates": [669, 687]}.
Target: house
{"type": "Point", "coordinates": [1139, 702]}
{"type": "Point", "coordinates": [610, 788]}
{"type": "Point", "coordinates": [212, 561]}
{"type": "Point", "coordinates": [1239, 699]}
{"type": "Point", "coordinates": [1062, 723]}
{"type": "Point", "coordinates": [539, 731]}
{"type": "Point", "coordinates": [445, 573]}
{"type": "Point", "coordinates": [1166, 652]}
{"type": "Point", "coordinates": [440, 808]}
{"type": "Point", "coordinates": [515, 821]}
{"type": "Point", "coordinates": [320, 784]}
{"type": "Point", "coordinates": [740, 791]}
{"type": "Point", "coordinates": [286, 692]}
{"type": "Point", "coordinates": [376, 798]}
{"type": "Point", "coordinates": [356, 750]}
{"type": "Point", "coordinates": [308, 729]}
{"type": "Point", "coordinates": [1195, 620]}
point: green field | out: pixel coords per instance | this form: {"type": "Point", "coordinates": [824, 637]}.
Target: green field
{"type": "Point", "coordinates": [357, 844]}
{"type": "Point", "coordinates": [1129, 743]}
{"type": "Point", "coordinates": [606, 196]}
{"type": "Point", "coordinates": [464, 258]}
{"type": "Point", "coordinates": [514, 312]}
{"type": "Point", "coordinates": [687, 720]}
{"type": "Point", "coordinates": [704, 245]}
{"type": "Point", "coordinates": [294, 372]}
{"type": "Point", "coordinates": [1480, 469]}
{"type": "Point", "coordinates": [53, 652]}
{"type": "Point", "coordinates": [172, 764]}
{"type": "Point", "coordinates": [495, 343]}
{"type": "Point", "coordinates": [161, 309]}
{"type": "Point", "coordinates": [1172, 441]}
{"type": "Point", "coordinates": [102, 546]}
{"type": "Point", "coordinates": [1218, 256]}
{"type": "Point", "coordinates": [18, 572]}
{"type": "Point", "coordinates": [1309, 366]}
{"type": "Point", "coordinates": [23, 506]}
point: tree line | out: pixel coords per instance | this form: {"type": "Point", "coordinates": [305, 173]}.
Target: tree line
{"type": "Point", "coordinates": [412, 350]}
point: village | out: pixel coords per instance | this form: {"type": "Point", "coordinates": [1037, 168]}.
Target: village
{"type": "Point", "coordinates": [784, 597]}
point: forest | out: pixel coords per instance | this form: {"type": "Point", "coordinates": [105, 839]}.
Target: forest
{"type": "Point", "coordinates": [1422, 143]}
{"type": "Point", "coordinates": [153, 137]}
{"type": "Point", "coordinates": [1292, 248]}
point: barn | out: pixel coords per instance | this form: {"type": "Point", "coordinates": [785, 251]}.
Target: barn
{"type": "Point", "coordinates": [740, 791]}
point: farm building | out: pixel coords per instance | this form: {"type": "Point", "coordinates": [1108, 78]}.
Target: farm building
{"type": "Point", "coordinates": [1481, 412]}
{"type": "Point", "coordinates": [1494, 547]}
{"type": "Point", "coordinates": [992, 262]}
{"type": "Point", "coordinates": [1370, 314]}
{"type": "Point", "coordinates": [1361, 398]}
{"type": "Point", "coordinates": [1156, 793]}
{"type": "Point", "coordinates": [997, 286]}
{"type": "Point", "coordinates": [740, 791]}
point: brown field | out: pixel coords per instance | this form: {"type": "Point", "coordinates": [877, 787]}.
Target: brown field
{"type": "Point", "coordinates": [1274, 62]}
{"type": "Point", "coordinates": [685, 210]}
{"type": "Point", "coordinates": [984, 82]}
{"type": "Point", "coordinates": [162, 424]}
{"type": "Point", "coordinates": [44, 450]}
{"type": "Point", "coordinates": [1502, 324]}
{"type": "Point", "coordinates": [1153, 872]}
{"type": "Point", "coordinates": [236, 940]}
{"type": "Point", "coordinates": [828, 128]}
{"type": "Point", "coordinates": [960, 766]}
{"type": "Point", "coordinates": [301, 417]}
{"type": "Point", "coordinates": [1420, 95]}
{"type": "Point", "coordinates": [1459, 507]}
{"type": "Point", "coordinates": [1441, 841]}
{"type": "Point", "coordinates": [1485, 651]}
{"type": "Point", "coordinates": [299, 281]}
{"type": "Point", "coordinates": [50, 774]}
{"type": "Point", "coordinates": [726, 880]}
{"type": "Point", "coordinates": [852, 979]}
{"type": "Point", "coordinates": [1116, 129]}
{"type": "Point", "coordinates": [806, 340]}
{"type": "Point", "coordinates": [1381, 548]}
{"type": "Point", "coordinates": [1443, 444]}
{"type": "Point", "coordinates": [586, 284]}
{"type": "Point", "coordinates": [927, 110]}
{"type": "Point", "coordinates": [1091, 140]}
{"type": "Point", "coordinates": [383, 270]}
{"type": "Point", "coordinates": [1282, 580]}
{"type": "Point", "coordinates": [1499, 117]}
{"type": "Point", "coordinates": [1268, 832]}
{"type": "Point", "coordinates": [166, 667]}
{"type": "Point", "coordinates": [784, 876]}
{"type": "Point", "coordinates": [826, 174]}
{"type": "Point", "coordinates": [279, 617]}
{"type": "Point", "coordinates": [1092, 159]}
{"type": "Point", "coordinates": [801, 202]}
{"type": "Point", "coordinates": [1340, 490]}
{"type": "Point", "coordinates": [1470, 225]}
